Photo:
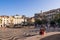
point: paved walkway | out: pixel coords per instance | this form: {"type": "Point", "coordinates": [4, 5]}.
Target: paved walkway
{"type": "Point", "coordinates": [52, 37]}
{"type": "Point", "coordinates": [17, 34]}
{"type": "Point", "coordinates": [38, 37]}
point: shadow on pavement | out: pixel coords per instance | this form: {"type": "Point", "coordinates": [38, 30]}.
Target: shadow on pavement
{"type": "Point", "coordinates": [52, 37]}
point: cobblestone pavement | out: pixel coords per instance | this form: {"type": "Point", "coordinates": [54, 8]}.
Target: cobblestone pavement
{"type": "Point", "coordinates": [14, 34]}
{"type": "Point", "coordinates": [10, 34]}
{"type": "Point", "coordinates": [20, 33]}
{"type": "Point", "coordinates": [52, 37]}
{"type": "Point", "coordinates": [47, 36]}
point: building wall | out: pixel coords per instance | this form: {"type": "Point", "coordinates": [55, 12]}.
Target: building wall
{"type": "Point", "coordinates": [48, 15]}
{"type": "Point", "coordinates": [7, 20]}
{"type": "Point", "coordinates": [38, 16]}
{"type": "Point", "coordinates": [0, 21]}
{"type": "Point", "coordinates": [19, 19]}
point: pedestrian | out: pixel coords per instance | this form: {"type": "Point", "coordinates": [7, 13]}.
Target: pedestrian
{"type": "Point", "coordinates": [42, 30]}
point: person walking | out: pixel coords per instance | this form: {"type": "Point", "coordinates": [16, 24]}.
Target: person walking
{"type": "Point", "coordinates": [42, 30]}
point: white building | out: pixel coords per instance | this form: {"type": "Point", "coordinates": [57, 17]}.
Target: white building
{"type": "Point", "coordinates": [48, 15]}
{"type": "Point", "coordinates": [6, 20]}
{"type": "Point", "coordinates": [3, 21]}
{"type": "Point", "coordinates": [19, 19]}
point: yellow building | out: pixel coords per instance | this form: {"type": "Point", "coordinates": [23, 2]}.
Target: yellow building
{"type": "Point", "coordinates": [31, 20]}
{"type": "Point", "coordinates": [11, 19]}
{"type": "Point", "coordinates": [0, 21]}
{"type": "Point", "coordinates": [8, 20]}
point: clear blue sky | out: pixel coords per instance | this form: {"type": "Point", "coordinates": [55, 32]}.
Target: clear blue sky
{"type": "Point", "coordinates": [27, 7]}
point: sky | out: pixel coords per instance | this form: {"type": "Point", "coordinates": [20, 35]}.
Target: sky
{"type": "Point", "coordinates": [27, 7]}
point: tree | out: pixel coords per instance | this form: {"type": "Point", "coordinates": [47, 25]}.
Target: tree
{"type": "Point", "coordinates": [57, 17]}
{"type": "Point", "coordinates": [52, 23]}
{"type": "Point", "coordinates": [44, 21]}
{"type": "Point", "coordinates": [39, 22]}
{"type": "Point", "coordinates": [58, 21]}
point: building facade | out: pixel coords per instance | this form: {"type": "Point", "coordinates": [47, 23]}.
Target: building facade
{"type": "Point", "coordinates": [7, 20]}
{"type": "Point", "coordinates": [3, 21]}
{"type": "Point", "coordinates": [19, 19]}
{"type": "Point", "coordinates": [48, 15]}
